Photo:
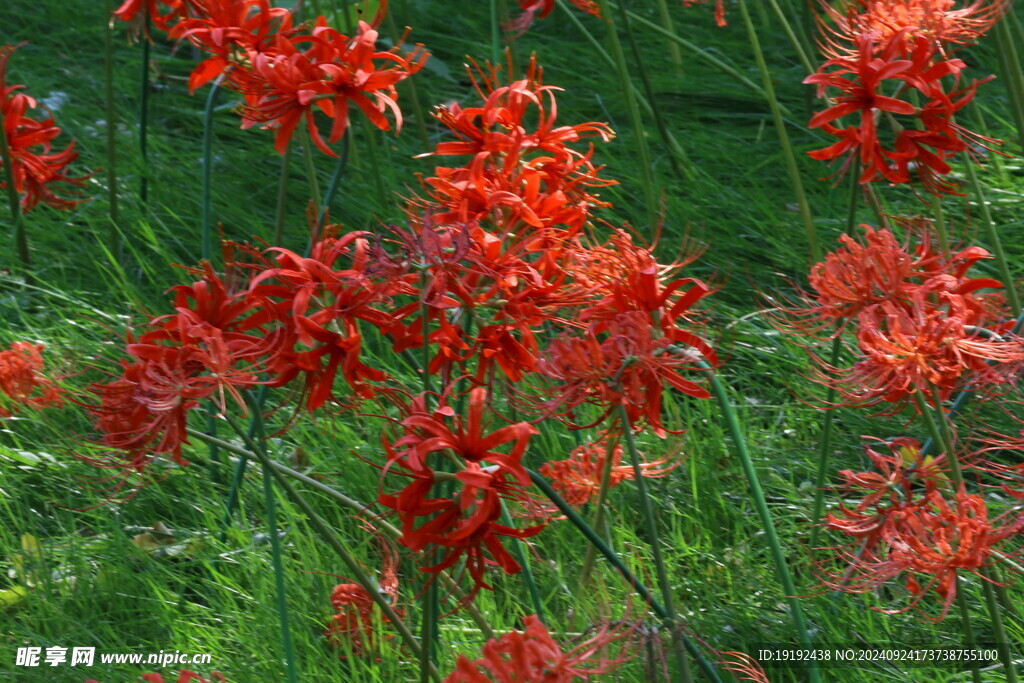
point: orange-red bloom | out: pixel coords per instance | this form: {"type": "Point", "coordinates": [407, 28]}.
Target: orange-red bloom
{"type": "Point", "coordinates": [21, 380]}
{"type": "Point", "coordinates": [531, 8]}
{"type": "Point", "coordinates": [39, 171]}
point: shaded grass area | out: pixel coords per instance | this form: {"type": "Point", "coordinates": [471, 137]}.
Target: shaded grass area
{"type": "Point", "coordinates": [91, 586]}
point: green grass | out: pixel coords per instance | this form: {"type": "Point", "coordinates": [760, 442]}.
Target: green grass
{"type": "Point", "coordinates": [91, 586]}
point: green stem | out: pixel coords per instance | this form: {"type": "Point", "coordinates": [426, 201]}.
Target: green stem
{"type": "Point", "coordinates": [361, 577]}
{"type": "Point", "coordinates": [825, 450]}
{"type": "Point", "coordinates": [1009, 62]}
{"type": "Point", "coordinates": [114, 229]}
{"type": "Point", "coordinates": [282, 198]}
{"type": "Point", "coordinates": [495, 34]}
{"type": "Point", "coordinates": [650, 186]}
{"type": "Point", "coordinates": [279, 585]}
{"type": "Point", "coordinates": [428, 629]}
{"type": "Point", "coordinates": [144, 117]}
{"type": "Point", "coordinates": [996, 614]}
{"type": "Point", "coordinates": [651, 99]}
{"type": "Point", "coordinates": [780, 128]}
{"type": "Point", "coordinates": [602, 498]}
{"type": "Point", "coordinates": [674, 53]}
{"type": "Point", "coordinates": [797, 44]}
{"type": "Point", "coordinates": [993, 237]}
{"type": "Point", "coordinates": [311, 177]}
{"type": "Point", "coordinates": [410, 85]}
{"type": "Point", "coordinates": [332, 187]}
{"type": "Point", "coordinates": [778, 557]}
{"type": "Point", "coordinates": [518, 547]}
{"type": "Point", "coordinates": [206, 226]}
{"type": "Point", "coordinates": [655, 542]}
{"type": "Point", "coordinates": [643, 591]}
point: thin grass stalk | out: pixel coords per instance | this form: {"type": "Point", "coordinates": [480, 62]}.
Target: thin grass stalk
{"type": "Point", "coordinates": [642, 590]}
{"type": "Point", "coordinates": [243, 455]}
{"type": "Point", "coordinates": [310, 165]}
{"type": "Point", "coordinates": [372, 139]}
{"type": "Point", "coordinates": [757, 494]}
{"type": "Point", "coordinates": [13, 204]}
{"type": "Point", "coordinates": [798, 45]}
{"type": "Point", "coordinates": [495, 33]}
{"type": "Point", "coordinates": [995, 612]}
{"type": "Point", "coordinates": [144, 116]}
{"type": "Point", "coordinates": [993, 237]}
{"type": "Point", "coordinates": [236, 478]}
{"type": "Point", "coordinates": [655, 543]}
{"type": "Point", "coordinates": [780, 127]}
{"type": "Point", "coordinates": [519, 548]}
{"type": "Point", "coordinates": [940, 435]}
{"type": "Point", "coordinates": [674, 53]}
{"type": "Point", "coordinates": [361, 577]}
{"type": "Point", "coordinates": [650, 186]}
{"type": "Point", "coordinates": [332, 187]}
{"type": "Point", "coordinates": [428, 628]}
{"type": "Point", "coordinates": [1009, 61]}
{"type": "Point", "coordinates": [114, 228]}
{"type": "Point", "coordinates": [599, 516]}
{"type": "Point", "coordinates": [282, 197]}
{"type": "Point", "coordinates": [825, 450]}
{"type": "Point", "coordinates": [939, 221]}
{"type": "Point", "coordinates": [206, 224]}
{"type": "Point", "coordinates": [649, 96]}
{"type": "Point", "coordinates": [674, 146]}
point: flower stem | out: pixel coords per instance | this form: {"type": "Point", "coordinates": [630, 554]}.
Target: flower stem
{"type": "Point", "coordinates": [995, 612]}
{"type": "Point", "coordinates": [642, 590]}
{"type": "Point", "coordinates": [655, 541]}
{"type": "Point", "coordinates": [825, 449]}
{"type": "Point", "coordinates": [332, 187]}
{"type": "Point", "coordinates": [144, 116]}
{"type": "Point", "coordinates": [361, 577]}
{"type": "Point", "coordinates": [519, 548]}
{"type": "Point", "coordinates": [206, 226]}
{"type": "Point", "coordinates": [602, 499]}
{"type": "Point", "coordinates": [674, 53]}
{"type": "Point", "coordinates": [114, 228]}
{"type": "Point", "coordinates": [787, 148]}
{"type": "Point", "coordinates": [778, 557]}
{"type": "Point", "coordinates": [282, 198]}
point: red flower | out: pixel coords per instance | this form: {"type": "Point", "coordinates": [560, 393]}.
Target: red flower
{"type": "Point", "coordinates": [21, 376]}
{"type": "Point", "coordinates": [136, 12]}
{"type": "Point", "coordinates": [38, 171]}
{"type": "Point", "coordinates": [533, 655]}
{"type": "Point", "coordinates": [861, 80]}
{"type": "Point", "coordinates": [184, 676]}
{"type": "Point", "coordinates": [531, 8]}
{"type": "Point", "coordinates": [578, 478]}
{"type": "Point", "coordinates": [719, 9]}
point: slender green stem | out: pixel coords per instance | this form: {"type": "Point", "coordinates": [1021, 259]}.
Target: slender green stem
{"type": "Point", "coordinates": [375, 150]}
{"type": "Point", "coordinates": [361, 577]}
{"type": "Point", "coordinates": [1009, 62]}
{"type": "Point", "coordinates": [281, 211]}
{"type": "Point", "coordinates": [311, 177]}
{"type": "Point", "coordinates": [602, 498]}
{"type": "Point", "coordinates": [17, 220]}
{"type": "Point", "coordinates": [995, 611]}
{"type": "Point", "coordinates": [965, 621]}
{"type": "Point", "coordinates": [410, 85]}
{"type": "Point", "coordinates": [798, 45]}
{"type": "Point", "coordinates": [428, 628]}
{"type": "Point", "coordinates": [674, 147]}
{"type": "Point", "coordinates": [144, 116]}
{"type": "Point", "coordinates": [234, 492]}
{"type": "Point", "coordinates": [206, 226]}
{"type": "Point", "coordinates": [992, 235]}
{"type": "Point", "coordinates": [495, 33]}
{"type": "Point", "coordinates": [650, 185]}
{"type": "Point", "coordinates": [279, 585]}
{"type": "Point", "coordinates": [757, 494]}
{"type": "Point", "coordinates": [643, 591]}
{"type": "Point", "coordinates": [655, 541]}
{"type": "Point", "coordinates": [780, 128]}
{"type": "Point", "coordinates": [824, 450]}
{"type": "Point", "coordinates": [114, 228]}
{"type": "Point", "coordinates": [674, 53]}
{"type": "Point", "coordinates": [649, 96]}
{"type": "Point", "coordinates": [939, 221]}
{"type": "Point", "coordinates": [332, 187]}
{"type": "Point", "coordinates": [519, 548]}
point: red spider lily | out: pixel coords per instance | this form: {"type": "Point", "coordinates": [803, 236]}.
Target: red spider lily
{"type": "Point", "coordinates": [929, 543]}
{"type": "Point", "coordinates": [719, 9]}
{"type": "Point", "coordinates": [742, 666]}
{"type": "Point", "coordinates": [917, 347]}
{"type": "Point", "coordinates": [38, 170]}
{"type": "Point", "coordinates": [466, 524]}
{"type": "Point", "coordinates": [522, 169]}
{"type": "Point", "coordinates": [228, 29]}
{"type": "Point", "coordinates": [353, 622]}
{"type": "Point", "coordinates": [321, 310]}
{"type": "Point", "coordinates": [578, 478]}
{"type": "Point", "coordinates": [861, 274]}
{"type": "Point", "coordinates": [630, 366]}
{"type": "Point", "coordinates": [287, 84]}
{"type": "Point", "coordinates": [21, 376]}
{"type": "Point", "coordinates": [861, 80]}
{"type": "Point", "coordinates": [531, 8]}
{"type": "Point", "coordinates": [940, 21]}
{"type": "Point", "coordinates": [533, 655]}
{"type": "Point", "coordinates": [136, 13]}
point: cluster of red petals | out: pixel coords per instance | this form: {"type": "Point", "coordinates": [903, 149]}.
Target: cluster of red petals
{"type": "Point", "coordinates": [162, 13]}
{"type": "Point", "coordinates": [22, 382]}
{"type": "Point", "coordinates": [463, 523]}
{"type": "Point", "coordinates": [39, 170]}
{"type": "Point", "coordinates": [184, 676]}
{"type": "Point", "coordinates": [541, 8]}
{"type": "Point", "coordinates": [522, 170]}
{"type": "Point", "coordinates": [918, 319]}
{"type": "Point", "coordinates": [352, 625]}
{"type": "Point", "coordinates": [284, 72]}
{"type": "Point", "coordinates": [940, 21]}
{"type": "Point", "coordinates": [874, 84]}
{"type": "Point", "coordinates": [910, 525]}
{"type": "Point", "coordinates": [533, 655]}
{"type": "Point", "coordinates": [578, 478]}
